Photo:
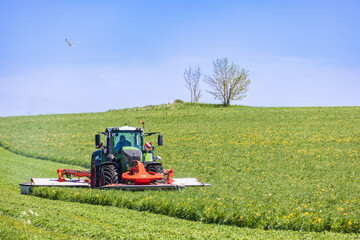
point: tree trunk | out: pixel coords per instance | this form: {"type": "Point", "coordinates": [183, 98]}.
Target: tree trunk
{"type": "Point", "coordinates": [227, 103]}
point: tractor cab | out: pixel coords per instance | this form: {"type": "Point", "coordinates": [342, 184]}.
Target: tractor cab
{"type": "Point", "coordinates": [120, 139]}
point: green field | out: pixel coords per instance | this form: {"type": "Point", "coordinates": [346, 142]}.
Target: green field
{"type": "Point", "coordinates": [272, 169]}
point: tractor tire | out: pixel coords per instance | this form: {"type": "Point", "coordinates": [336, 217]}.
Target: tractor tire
{"type": "Point", "coordinates": [109, 175]}
{"type": "Point", "coordinates": [157, 168]}
{"type": "Point", "coordinates": [94, 179]}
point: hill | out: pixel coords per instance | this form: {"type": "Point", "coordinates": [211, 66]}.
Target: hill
{"type": "Point", "coordinates": [271, 168]}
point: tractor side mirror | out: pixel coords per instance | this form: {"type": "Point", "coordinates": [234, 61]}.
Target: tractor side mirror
{"type": "Point", "coordinates": [160, 140]}
{"type": "Point", "coordinates": [97, 140]}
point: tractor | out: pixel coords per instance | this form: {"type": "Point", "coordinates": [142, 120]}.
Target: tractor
{"type": "Point", "coordinates": [124, 147]}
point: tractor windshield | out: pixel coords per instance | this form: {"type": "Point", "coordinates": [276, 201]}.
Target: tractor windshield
{"type": "Point", "coordinates": [123, 138]}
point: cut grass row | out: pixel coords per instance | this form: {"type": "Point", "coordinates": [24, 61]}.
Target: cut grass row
{"type": "Point", "coordinates": [29, 217]}
{"type": "Point", "coordinates": [190, 205]}
{"type": "Point", "coordinates": [271, 168]}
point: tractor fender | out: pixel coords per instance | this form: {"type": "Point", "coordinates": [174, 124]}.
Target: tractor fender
{"type": "Point", "coordinates": [97, 156]}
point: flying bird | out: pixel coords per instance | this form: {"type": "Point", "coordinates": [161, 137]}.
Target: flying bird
{"type": "Point", "coordinates": [70, 45]}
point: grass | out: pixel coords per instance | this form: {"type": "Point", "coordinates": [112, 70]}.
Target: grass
{"type": "Point", "coordinates": [29, 217]}
{"type": "Point", "coordinates": [271, 168]}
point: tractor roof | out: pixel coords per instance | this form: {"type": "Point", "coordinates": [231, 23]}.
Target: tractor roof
{"type": "Point", "coordinates": [125, 128]}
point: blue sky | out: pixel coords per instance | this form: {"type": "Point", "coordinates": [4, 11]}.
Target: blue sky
{"type": "Point", "coordinates": [134, 53]}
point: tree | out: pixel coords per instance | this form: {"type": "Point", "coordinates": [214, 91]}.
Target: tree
{"type": "Point", "coordinates": [228, 81]}
{"type": "Point", "coordinates": [192, 79]}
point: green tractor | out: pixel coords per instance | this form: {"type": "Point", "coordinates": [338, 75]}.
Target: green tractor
{"type": "Point", "coordinates": [124, 147]}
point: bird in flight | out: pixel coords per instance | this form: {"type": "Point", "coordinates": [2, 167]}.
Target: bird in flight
{"type": "Point", "coordinates": [70, 45]}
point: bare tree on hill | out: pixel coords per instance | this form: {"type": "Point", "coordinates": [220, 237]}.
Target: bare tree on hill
{"type": "Point", "coordinates": [192, 78]}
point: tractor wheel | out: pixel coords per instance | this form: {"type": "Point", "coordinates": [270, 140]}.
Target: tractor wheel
{"type": "Point", "coordinates": [109, 175]}
{"type": "Point", "coordinates": [94, 182]}
{"type": "Point", "coordinates": [155, 168]}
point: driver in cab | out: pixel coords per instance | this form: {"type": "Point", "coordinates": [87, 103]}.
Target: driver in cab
{"type": "Point", "coordinates": [123, 142]}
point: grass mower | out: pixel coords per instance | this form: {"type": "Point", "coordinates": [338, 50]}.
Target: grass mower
{"type": "Point", "coordinates": [125, 162]}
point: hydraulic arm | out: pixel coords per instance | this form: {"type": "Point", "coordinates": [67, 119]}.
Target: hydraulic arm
{"type": "Point", "coordinates": [72, 172]}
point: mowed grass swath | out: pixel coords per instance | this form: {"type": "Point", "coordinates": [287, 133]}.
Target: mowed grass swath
{"type": "Point", "coordinates": [271, 168]}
